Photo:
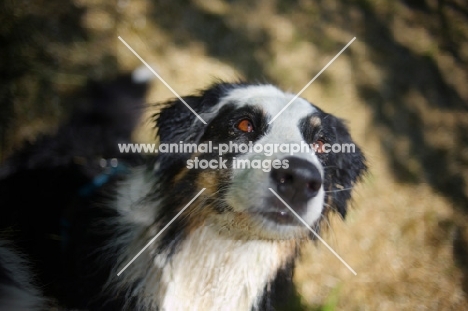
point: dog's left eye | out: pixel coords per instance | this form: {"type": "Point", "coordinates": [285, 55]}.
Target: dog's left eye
{"type": "Point", "coordinates": [245, 125]}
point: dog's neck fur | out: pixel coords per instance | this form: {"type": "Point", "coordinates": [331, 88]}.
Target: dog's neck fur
{"type": "Point", "coordinates": [212, 273]}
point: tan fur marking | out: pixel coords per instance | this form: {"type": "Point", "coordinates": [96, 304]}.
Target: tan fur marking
{"type": "Point", "coordinates": [184, 172]}
{"type": "Point", "coordinates": [208, 180]}
{"type": "Point", "coordinates": [315, 121]}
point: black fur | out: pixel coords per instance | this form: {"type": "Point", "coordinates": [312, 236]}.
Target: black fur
{"type": "Point", "coordinates": [47, 186]}
{"type": "Point", "coordinates": [342, 170]}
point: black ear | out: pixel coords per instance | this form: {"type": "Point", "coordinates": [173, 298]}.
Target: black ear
{"type": "Point", "coordinates": [342, 169]}
{"type": "Point", "coordinates": [176, 122]}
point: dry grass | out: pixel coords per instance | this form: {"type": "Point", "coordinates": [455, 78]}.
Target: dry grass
{"type": "Point", "coordinates": [402, 87]}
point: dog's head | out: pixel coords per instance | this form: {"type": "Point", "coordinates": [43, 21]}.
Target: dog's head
{"type": "Point", "coordinates": [261, 174]}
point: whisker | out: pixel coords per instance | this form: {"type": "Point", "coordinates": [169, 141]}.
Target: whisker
{"type": "Point", "coordinates": [324, 218]}
{"type": "Point", "coordinates": [338, 190]}
{"type": "Point", "coordinates": [331, 207]}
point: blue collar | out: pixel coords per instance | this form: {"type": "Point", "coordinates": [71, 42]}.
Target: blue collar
{"type": "Point", "coordinates": [114, 168]}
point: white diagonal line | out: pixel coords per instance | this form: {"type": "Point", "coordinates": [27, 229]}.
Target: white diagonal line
{"type": "Point", "coordinates": [315, 233]}
{"type": "Point", "coordinates": [159, 233]}
{"type": "Point", "coordinates": [160, 78]}
{"type": "Point", "coordinates": [313, 79]}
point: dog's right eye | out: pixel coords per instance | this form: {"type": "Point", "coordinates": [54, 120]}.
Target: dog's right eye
{"type": "Point", "coordinates": [245, 125]}
{"type": "Point", "coordinates": [318, 146]}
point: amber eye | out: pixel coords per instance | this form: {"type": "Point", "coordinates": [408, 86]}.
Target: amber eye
{"type": "Point", "coordinates": [318, 146]}
{"type": "Point", "coordinates": [245, 126]}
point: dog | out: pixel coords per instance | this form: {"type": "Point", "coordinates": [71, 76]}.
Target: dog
{"type": "Point", "coordinates": [168, 233]}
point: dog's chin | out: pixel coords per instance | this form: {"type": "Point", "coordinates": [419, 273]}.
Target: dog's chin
{"type": "Point", "coordinates": [275, 219]}
{"type": "Point", "coordinates": [279, 223]}
{"type": "Point", "coordinates": [260, 225]}
{"type": "Point", "coordinates": [279, 217]}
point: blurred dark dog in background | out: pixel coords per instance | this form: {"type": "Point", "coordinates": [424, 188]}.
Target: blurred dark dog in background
{"type": "Point", "coordinates": [48, 185]}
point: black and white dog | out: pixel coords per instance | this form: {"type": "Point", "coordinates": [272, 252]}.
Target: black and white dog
{"type": "Point", "coordinates": [232, 248]}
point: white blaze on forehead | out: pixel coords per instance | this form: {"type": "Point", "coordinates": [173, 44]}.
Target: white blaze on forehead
{"type": "Point", "coordinates": [270, 99]}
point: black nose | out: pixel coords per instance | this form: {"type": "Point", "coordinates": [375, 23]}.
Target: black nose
{"type": "Point", "coordinates": [298, 183]}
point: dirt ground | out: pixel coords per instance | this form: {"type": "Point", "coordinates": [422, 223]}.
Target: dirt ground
{"type": "Point", "coordinates": [402, 86]}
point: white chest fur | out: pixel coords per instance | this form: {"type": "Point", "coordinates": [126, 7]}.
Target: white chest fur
{"type": "Point", "coordinates": [212, 273]}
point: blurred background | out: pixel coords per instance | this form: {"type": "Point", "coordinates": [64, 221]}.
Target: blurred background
{"type": "Point", "coordinates": [402, 85]}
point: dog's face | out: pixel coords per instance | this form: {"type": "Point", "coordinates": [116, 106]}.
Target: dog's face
{"type": "Point", "coordinates": [258, 169]}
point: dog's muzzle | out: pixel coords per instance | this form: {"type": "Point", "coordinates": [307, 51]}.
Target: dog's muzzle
{"type": "Point", "coordinates": [296, 185]}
